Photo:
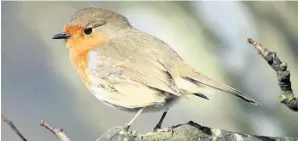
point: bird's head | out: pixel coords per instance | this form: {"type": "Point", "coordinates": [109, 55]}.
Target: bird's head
{"type": "Point", "coordinates": [90, 27]}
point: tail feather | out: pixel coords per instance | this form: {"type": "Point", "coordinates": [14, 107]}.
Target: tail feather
{"type": "Point", "coordinates": [198, 78]}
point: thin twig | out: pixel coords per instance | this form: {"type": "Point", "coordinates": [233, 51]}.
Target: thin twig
{"type": "Point", "coordinates": [283, 75]}
{"type": "Point", "coordinates": [56, 131]}
{"type": "Point", "coordinates": [13, 127]}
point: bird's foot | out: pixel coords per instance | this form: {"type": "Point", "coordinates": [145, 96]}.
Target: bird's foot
{"type": "Point", "coordinates": [159, 130]}
{"type": "Point", "coordinates": [124, 129]}
{"type": "Point", "coordinates": [157, 127]}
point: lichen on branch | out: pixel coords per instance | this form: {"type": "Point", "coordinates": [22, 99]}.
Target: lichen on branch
{"type": "Point", "coordinates": [187, 132]}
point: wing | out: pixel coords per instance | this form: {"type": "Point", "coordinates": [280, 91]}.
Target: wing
{"type": "Point", "coordinates": [144, 82]}
{"type": "Point", "coordinates": [134, 63]}
{"type": "Point", "coordinates": [149, 72]}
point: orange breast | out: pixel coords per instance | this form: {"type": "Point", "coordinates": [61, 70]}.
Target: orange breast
{"type": "Point", "coordinates": [81, 66]}
{"type": "Point", "coordinates": [79, 46]}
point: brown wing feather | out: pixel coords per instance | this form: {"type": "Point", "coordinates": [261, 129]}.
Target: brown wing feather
{"type": "Point", "coordinates": [150, 73]}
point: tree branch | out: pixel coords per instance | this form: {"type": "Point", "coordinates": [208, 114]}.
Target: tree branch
{"type": "Point", "coordinates": [56, 131]}
{"type": "Point", "coordinates": [283, 75]}
{"type": "Point", "coordinates": [13, 127]}
{"type": "Point", "coordinates": [187, 132]}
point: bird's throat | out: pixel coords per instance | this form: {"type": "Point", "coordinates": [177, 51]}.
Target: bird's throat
{"type": "Point", "coordinates": [80, 61]}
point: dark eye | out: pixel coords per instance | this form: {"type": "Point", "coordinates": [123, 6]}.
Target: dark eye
{"type": "Point", "coordinates": [88, 31]}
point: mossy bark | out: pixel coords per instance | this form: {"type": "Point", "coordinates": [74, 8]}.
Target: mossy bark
{"type": "Point", "coordinates": [187, 132]}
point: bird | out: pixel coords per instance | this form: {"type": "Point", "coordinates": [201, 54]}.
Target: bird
{"type": "Point", "coordinates": [129, 69]}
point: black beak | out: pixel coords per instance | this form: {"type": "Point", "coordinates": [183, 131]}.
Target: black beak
{"type": "Point", "coordinates": [62, 35]}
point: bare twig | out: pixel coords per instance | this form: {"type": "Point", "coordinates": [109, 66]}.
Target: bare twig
{"type": "Point", "coordinates": [56, 131]}
{"type": "Point", "coordinates": [13, 127]}
{"type": "Point", "coordinates": [283, 75]}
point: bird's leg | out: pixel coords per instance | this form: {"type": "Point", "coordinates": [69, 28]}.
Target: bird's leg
{"type": "Point", "coordinates": [158, 125]}
{"type": "Point", "coordinates": [127, 125]}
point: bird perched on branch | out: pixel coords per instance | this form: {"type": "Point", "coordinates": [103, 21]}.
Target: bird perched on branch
{"type": "Point", "coordinates": [129, 69]}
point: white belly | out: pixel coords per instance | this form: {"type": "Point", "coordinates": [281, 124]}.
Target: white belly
{"type": "Point", "coordinates": [131, 102]}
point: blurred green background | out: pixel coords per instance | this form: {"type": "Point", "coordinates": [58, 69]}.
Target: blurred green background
{"type": "Point", "coordinates": [38, 81]}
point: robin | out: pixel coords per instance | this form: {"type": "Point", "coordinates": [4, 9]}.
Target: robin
{"type": "Point", "coordinates": [129, 69]}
